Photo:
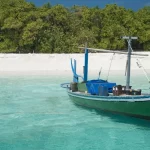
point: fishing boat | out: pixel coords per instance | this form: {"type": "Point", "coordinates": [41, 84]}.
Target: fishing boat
{"type": "Point", "coordinates": [109, 96]}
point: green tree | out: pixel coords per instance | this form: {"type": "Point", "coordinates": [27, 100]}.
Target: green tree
{"type": "Point", "coordinates": [143, 16]}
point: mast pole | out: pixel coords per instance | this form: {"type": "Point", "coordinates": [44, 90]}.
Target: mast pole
{"type": "Point", "coordinates": [128, 64]}
{"type": "Point", "coordinates": [129, 40]}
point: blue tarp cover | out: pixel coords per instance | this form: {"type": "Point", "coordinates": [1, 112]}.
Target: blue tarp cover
{"type": "Point", "coordinates": [93, 86]}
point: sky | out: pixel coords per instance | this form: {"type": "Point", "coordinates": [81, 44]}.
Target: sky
{"type": "Point", "coordinates": [128, 4]}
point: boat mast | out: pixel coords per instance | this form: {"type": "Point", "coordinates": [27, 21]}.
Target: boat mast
{"type": "Point", "coordinates": [129, 40]}
{"type": "Point", "coordinates": [86, 64]}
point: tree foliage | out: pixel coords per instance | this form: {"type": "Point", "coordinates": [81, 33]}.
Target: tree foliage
{"type": "Point", "coordinates": [56, 29]}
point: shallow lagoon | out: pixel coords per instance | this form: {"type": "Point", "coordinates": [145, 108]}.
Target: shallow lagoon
{"type": "Point", "coordinates": [37, 114]}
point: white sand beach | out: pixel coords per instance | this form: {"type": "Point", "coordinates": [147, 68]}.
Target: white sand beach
{"type": "Point", "coordinates": [60, 63]}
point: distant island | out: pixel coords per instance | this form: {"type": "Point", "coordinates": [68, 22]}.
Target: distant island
{"type": "Point", "coordinates": [27, 28]}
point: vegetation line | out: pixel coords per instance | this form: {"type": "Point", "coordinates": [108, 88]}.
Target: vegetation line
{"type": "Point", "coordinates": [25, 28]}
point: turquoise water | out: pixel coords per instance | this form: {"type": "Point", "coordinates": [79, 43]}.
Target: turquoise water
{"type": "Point", "coordinates": [37, 114]}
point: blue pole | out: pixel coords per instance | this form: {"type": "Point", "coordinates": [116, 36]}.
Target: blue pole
{"type": "Point", "coordinates": [75, 78]}
{"type": "Point", "coordinates": [86, 65]}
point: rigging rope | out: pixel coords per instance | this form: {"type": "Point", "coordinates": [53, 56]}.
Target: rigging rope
{"type": "Point", "coordinates": [99, 73]}
{"type": "Point", "coordinates": [110, 66]}
{"type": "Point", "coordinates": [139, 64]}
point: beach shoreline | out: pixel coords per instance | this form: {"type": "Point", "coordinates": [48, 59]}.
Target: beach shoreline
{"type": "Point", "coordinates": [59, 64]}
